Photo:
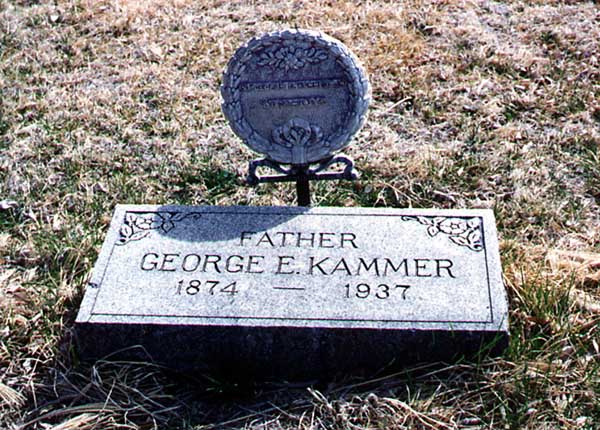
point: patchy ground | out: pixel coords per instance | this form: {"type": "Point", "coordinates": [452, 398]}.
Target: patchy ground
{"type": "Point", "coordinates": [475, 104]}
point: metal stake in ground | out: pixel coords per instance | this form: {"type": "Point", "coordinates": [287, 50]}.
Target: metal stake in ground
{"type": "Point", "coordinates": [297, 97]}
{"type": "Point", "coordinates": [303, 189]}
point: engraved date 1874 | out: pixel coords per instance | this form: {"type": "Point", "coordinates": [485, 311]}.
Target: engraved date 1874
{"type": "Point", "coordinates": [195, 286]}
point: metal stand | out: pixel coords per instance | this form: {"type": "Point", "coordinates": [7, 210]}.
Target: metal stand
{"type": "Point", "coordinates": [302, 174]}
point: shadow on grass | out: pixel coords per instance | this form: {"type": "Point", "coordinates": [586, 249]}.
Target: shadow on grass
{"type": "Point", "coordinates": [142, 395]}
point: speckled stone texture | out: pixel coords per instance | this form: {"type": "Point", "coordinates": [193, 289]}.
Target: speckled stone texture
{"type": "Point", "coordinates": [294, 293]}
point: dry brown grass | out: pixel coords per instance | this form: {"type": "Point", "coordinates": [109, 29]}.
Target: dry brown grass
{"type": "Point", "coordinates": [476, 104]}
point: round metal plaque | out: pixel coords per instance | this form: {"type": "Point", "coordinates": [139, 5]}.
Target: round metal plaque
{"type": "Point", "coordinates": [296, 96]}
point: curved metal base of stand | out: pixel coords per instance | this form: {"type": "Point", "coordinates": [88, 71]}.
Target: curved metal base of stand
{"type": "Point", "coordinates": [302, 174]}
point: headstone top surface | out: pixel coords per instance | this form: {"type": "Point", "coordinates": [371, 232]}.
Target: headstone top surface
{"type": "Point", "coordinates": [295, 96]}
{"type": "Point", "coordinates": [277, 266]}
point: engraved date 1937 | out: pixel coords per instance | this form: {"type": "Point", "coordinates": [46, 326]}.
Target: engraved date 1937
{"type": "Point", "coordinates": [195, 286]}
{"type": "Point", "coordinates": [381, 291]}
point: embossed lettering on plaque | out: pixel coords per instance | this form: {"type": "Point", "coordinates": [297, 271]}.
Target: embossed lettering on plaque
{"type": "Point", "coordinates": [296, 96]}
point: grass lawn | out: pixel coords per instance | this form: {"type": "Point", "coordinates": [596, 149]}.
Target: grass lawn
{"type": "Point", "coordinates": [476, 104]}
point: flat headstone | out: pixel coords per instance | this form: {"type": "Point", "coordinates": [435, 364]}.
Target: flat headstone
{"type": "Point", "coordinates": [294, 292]}
{"type": "Point", "coordinates": [296, 96]}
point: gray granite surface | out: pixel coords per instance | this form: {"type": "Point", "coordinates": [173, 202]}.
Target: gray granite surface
{"type": "Point", "coordinates": [296, 96]}
{"type": "Point", "coordinates": [294, 292]}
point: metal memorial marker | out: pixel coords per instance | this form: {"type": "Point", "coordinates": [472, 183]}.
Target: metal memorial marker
{"type": "Point", "coordinates": [294, 292]}
{"type": "Point", "coordinates": [285, 292]}
{"type": "Point", "coordinates": [297, 97]}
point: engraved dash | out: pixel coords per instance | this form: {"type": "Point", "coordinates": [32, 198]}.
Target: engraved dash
{"type": "Point", "coordinates": [289, 288]}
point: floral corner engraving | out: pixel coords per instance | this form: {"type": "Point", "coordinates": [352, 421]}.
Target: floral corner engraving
{"type": "Point", "coordinates": [463, 232]}
{"type": "Point", "coordinates": [138, 225]}
{"type": "Point", "coordinates": [289, 57]}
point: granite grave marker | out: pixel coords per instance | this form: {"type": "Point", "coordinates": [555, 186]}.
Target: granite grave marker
{"type": "Point", "coordinates": [292, 292]}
